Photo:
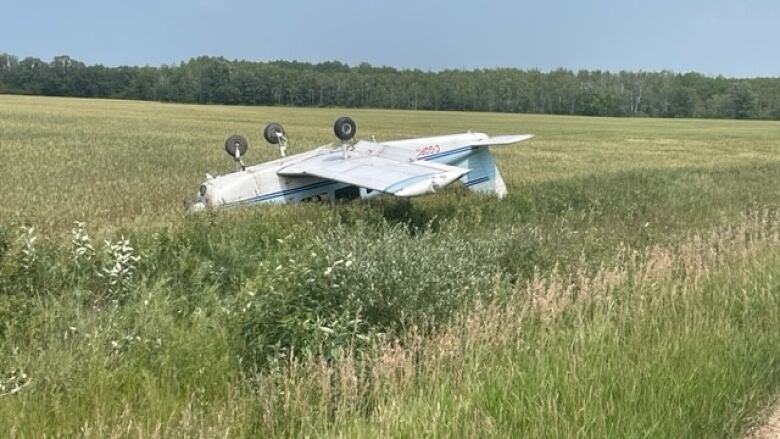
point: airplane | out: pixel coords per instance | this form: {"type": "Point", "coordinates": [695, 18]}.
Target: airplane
{"type": "Point", "coordinates": [356, 170]}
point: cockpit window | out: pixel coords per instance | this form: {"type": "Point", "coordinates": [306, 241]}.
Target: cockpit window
{"type": "Point", "coordinates": [348, 193]}
{"type": "Point", "coordinates": [317, 198]}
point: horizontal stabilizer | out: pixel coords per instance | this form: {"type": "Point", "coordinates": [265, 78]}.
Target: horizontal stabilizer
{"type": "Point", "coordinates": [503, 140]}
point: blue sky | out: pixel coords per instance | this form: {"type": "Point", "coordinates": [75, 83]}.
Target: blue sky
{"type": "Point", "coordinates": [733, 38]}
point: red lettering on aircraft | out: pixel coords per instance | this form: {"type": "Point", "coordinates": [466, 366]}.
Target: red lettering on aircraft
{"type": "Point", "coordinates": [427, 150]}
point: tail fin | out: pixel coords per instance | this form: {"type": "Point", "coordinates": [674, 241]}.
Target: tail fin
{"type": "Point", "coordinates": [484, 175]}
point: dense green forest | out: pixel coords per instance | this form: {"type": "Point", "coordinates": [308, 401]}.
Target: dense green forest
{"type": "Point", "coordinates": [217, 80]}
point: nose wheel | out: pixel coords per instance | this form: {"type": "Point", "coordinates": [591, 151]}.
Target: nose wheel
{"type": "Point", "coordinates": [236, 146]}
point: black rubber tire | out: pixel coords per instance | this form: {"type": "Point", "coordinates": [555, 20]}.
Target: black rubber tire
{"type": "Point", "coordinates": [270, 132]}
{"type": "Point", "coordinates": [345, 128]}
{"type": "Point", "coordinates": [236, 141]}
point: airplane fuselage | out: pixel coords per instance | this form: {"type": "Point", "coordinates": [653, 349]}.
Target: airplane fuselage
{"type": "Point", "coordinates": [262, 184]}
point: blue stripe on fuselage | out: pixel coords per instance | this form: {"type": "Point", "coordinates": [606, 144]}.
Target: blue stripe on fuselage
{"type": "Point", "coordinates": [448, 152]}
{"type": "Point", "coordinates": [476, 181]}
{"type": "Point", "coordinates": [272, 195]}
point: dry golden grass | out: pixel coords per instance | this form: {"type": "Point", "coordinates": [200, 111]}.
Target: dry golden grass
{"type": "Point", "coordinates": [128, 163]}
{"type": "Point", "coordinates": [394, 391]}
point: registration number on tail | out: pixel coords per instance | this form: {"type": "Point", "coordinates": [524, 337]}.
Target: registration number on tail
{"type": "Point", "coordinates": [427, 150]}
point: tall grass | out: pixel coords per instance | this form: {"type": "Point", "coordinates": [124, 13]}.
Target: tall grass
{"type": "Point", "coordinates": [675, 341]}
{"type": "Point", "coordinates": [126, 164]}
{"type": "Point", "coordinates": [627, 286]}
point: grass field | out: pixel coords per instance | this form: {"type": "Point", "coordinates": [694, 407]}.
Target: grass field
{"type": "Point", "coordinates": [116, 163]}
{"type": "Point", "coordinates": [627, 287]}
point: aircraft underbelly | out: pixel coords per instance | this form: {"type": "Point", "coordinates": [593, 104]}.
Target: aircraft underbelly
{"type": "Point", "coordinates": [363, 169]}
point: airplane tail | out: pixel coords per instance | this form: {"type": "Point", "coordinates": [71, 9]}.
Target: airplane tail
{"type": "Point", "coordinates": [484, 175]}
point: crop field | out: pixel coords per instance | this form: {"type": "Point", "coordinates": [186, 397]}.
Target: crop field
{"type": "Point", "coordinates": [628, 286]}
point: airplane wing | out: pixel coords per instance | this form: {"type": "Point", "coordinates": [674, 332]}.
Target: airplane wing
{"type": "Point", "coordinates": [503, 140]}
{"type": "Point", "coordinates": [378, 167]}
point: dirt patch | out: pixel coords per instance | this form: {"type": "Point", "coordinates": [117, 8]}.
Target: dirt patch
{"type": "Point", "coordinates": [770, 429]}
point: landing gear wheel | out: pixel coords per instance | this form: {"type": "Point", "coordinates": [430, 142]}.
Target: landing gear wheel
{"type": "Point", "coordinates": [271, 132]}
{"type": "Point", "coordinates": [236, 142]}
{"type": "Point", "coordinates": [344, 128]}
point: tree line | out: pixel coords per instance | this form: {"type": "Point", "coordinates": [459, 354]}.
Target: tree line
{"type": "Point", "coordinates": [216, 80]}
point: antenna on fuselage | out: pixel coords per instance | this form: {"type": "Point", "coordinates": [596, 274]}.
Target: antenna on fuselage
{"type": "Point", "coordinates": [345, 129]}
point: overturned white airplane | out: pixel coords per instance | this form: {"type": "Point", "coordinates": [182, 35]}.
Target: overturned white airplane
{"type": "Point", "coordinates": [363, 169]}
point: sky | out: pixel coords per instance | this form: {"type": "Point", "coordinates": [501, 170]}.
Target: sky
{"type": "Point", "coordinates": [737, 38]}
